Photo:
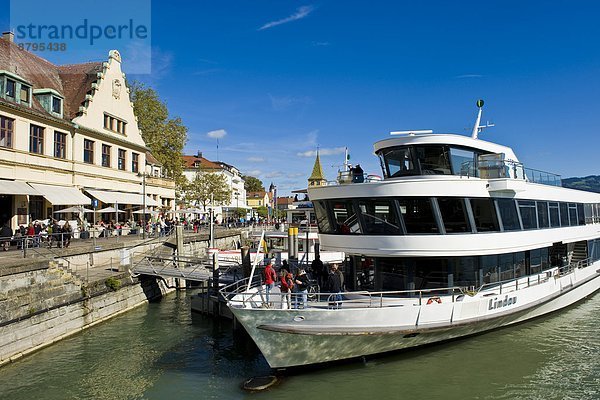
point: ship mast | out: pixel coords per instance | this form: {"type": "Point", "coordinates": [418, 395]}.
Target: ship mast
{"type": "Point", "coordinates": [478, 128]}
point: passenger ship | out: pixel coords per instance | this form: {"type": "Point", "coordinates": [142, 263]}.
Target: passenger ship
{"type": "Point", "coordinates": [457, 239]}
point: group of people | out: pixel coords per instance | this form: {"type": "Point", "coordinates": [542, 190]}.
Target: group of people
{"type": "Point", "coordinates": [294, 288]}
{"type": "Point", "coordinates": [36, 233]}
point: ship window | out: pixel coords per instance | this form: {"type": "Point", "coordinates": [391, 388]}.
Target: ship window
{"type": "Point", "coordinates": [564, 214]}
{"type": "Point", "coordinates": [580, 214]}
{"type": "Point", "coordinates": [464, 270]}
{"type": "Point", "coordinates": [418, 215]}
{"type": "Point", "coordinates": [506, 266]}
{"type": "Point", "coordinates": [528, 214]}
{"type": "Point", "coordinates": [433, 160]}
{"type": "Point", "coordinates": [365, 273]}
{"type": "Point", "coordinates": [542, 211]}
{"type": "Point", "coordinates": [508, 214]}
{"type": "Point", "coordinates": [489, 268]}
{"type": "Point", "coordinates": [484, 214]}
{"type": "Point", "coordinates": [462, 162]}
{"type": "Point", "coordinates": [554, 215]}
{"type": "Point", "coordinates": [379, 217]}
{"type": "Point", "coordinates": [399, 161]}
{"type": "Point", "coordinates": [322, 218]}
{"type": "Point", "coordinates": [535, 261]}
{"type": "Point", "coordinates": [572, 214]}
{"type": "Point", "coordinates": [454, 215]}
{"type": "Point", "coordinates": [345, 219]}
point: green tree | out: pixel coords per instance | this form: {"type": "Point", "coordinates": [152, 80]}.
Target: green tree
{"type": "Point", "coordinates": [206, 185]}
{"type": "Point", "coordinates": [262, 211]}
{"type": "Point", "coordinates": [164, 136]}
{"type": "Point", "coordinates": [252, 184]}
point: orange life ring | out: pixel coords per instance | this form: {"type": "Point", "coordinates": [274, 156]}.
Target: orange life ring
{"type": "Point", "coordinates": [435, 299]}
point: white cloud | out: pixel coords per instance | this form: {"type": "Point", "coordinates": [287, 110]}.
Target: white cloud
{"type": "Point", "coordinates": [254, 172]}
{"type": "Point", "coordinates": [275, 174]}
{"type": "Point", "coordinates": [322, 152]}
{"type": "Point", "coordinates": [218, 134]}
{"type": "Point", "coordinates": [468, 76]}
{"type": "Point", "coordinates": [296, 175]}
{"type": "Point", "coordinates": [280, 103]}
{"type": "Point", "coordinates": [321, 43]}
{"type": "Point", "coordinates": [311, 139]}
{"type": "Point", "coordinates": [301, 12]}
{"type": "Point", "coordinates": [256, 159]}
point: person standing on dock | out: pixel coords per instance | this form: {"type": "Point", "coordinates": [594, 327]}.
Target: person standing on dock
{"type": "Point", "coordinates": [287, 285]}
{"type": "Point", "coordinates": [301, 296]}
{"type": "Point", "coordinates": [334, 284]}
{"type": "Point", "coordinates": [270, 278]}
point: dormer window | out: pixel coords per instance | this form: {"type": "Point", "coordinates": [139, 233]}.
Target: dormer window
{"type": "Point", "coordinates": [25, 94]}
{"type": "Point", "coordinates": [11, 88]}
{"type": "Point", "coordinates": [51, 100]}
{"type": "Point", "coordinates": [56, 105]}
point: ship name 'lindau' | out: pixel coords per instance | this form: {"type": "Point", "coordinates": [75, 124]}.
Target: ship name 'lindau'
{"type": "Point", "coordinates": [458, 238]}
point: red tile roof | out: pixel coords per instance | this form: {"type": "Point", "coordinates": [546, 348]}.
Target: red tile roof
{"type": "Point", "coordinates": [190, 163]}
{"type": "Point", "coordinates": [70, 81]}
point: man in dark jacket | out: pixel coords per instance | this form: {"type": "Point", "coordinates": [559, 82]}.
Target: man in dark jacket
{"type": "Point", "coordinates": [334, 284]}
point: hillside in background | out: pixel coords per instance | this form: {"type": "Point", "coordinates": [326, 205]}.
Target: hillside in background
{"type": "Point", "coordinates": [590, 183]}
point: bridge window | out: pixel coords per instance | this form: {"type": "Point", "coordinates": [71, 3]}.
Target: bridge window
{"type": "Point", "coordinates": [433, 160]}
{"type": "Point", "coordinates": [462, 162]}
{"type": "Point", "coordinates": [573, 214]}
{"type": "Point", "coordinates": [399, 161]}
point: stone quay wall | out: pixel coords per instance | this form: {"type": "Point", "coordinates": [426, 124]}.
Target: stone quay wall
{"type": "Point", "coordinates": [45, 301]}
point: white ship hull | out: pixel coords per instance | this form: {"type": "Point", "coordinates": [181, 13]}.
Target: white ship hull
{"type": "Point", "coordinates": [289, 338]}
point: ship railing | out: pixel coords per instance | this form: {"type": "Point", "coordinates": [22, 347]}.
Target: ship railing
{"type": "Point", "coordinates": [238, 296]}
{"type": "Point", "coordinates": [498, 169]}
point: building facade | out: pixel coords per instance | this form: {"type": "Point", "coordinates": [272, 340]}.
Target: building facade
{"type": "Point", "coordinates": [68, 134]}
{"type": "Point", "coordinates": [194, 165]}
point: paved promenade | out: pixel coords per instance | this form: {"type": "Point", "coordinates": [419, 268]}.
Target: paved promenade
{"type": "Point", "coordinates": [15, 258]}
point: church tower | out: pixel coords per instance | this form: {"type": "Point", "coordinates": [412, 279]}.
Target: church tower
{"type": "Point", "coordinates": [317, 178]}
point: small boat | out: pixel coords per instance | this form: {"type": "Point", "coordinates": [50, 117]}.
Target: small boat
{"type": "Point", "coordinates": [458, 238]}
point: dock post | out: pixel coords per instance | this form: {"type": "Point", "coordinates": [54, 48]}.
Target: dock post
{"type": "Point", "coordinates": [215, 281]}
{"type": "Point", "coordinates": [290, 243]}
{"type": "Point", "coordinates": [245, 250]}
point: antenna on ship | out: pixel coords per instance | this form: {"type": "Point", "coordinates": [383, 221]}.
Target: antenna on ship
{"type": "Point", "coordinates": [478, 128]}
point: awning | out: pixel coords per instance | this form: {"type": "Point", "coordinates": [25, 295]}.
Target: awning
{"type": "Point", "coordinates": [16, 187]}
{"type": "Point", "coordinates": [61, 195]}
{"type": "Point", "coordinates": [109, 197]}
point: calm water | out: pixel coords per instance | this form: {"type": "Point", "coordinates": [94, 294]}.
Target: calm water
{"type": "Point", "coordinates": [159, 352]}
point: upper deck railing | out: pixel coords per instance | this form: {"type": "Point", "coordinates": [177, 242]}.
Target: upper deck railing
{"type": "Point", "coordinates": [498, 169]}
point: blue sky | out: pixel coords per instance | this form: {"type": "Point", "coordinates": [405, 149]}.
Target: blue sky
{"type": "Point", "coordinates": [276, 79]}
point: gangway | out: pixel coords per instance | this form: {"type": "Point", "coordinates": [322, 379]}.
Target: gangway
{"type": "Point", "coordinates": [188, 268]}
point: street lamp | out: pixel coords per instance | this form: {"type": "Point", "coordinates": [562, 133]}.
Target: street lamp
{"type": "Point", "coordinates": [143, 175]}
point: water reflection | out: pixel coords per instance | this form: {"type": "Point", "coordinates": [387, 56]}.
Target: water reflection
{"type": "Point", "coordinates": [158, 352]}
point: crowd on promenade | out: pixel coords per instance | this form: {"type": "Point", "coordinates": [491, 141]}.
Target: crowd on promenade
{"type": "Point", "coordinates": [60, 233]}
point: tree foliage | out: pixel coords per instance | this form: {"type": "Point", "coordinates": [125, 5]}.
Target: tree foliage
{"type": "Point", "coordinates": [164, 136]}
{"type": "Point", "coordinates": [262, 211]}
{"type": "Point", "coordinates": [252, 184]}
{"type": "Point", "coordinates": [206, 184]}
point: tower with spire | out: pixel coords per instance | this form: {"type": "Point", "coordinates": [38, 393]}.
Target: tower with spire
{"type": "Point", "coordinates": [317, 178]}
